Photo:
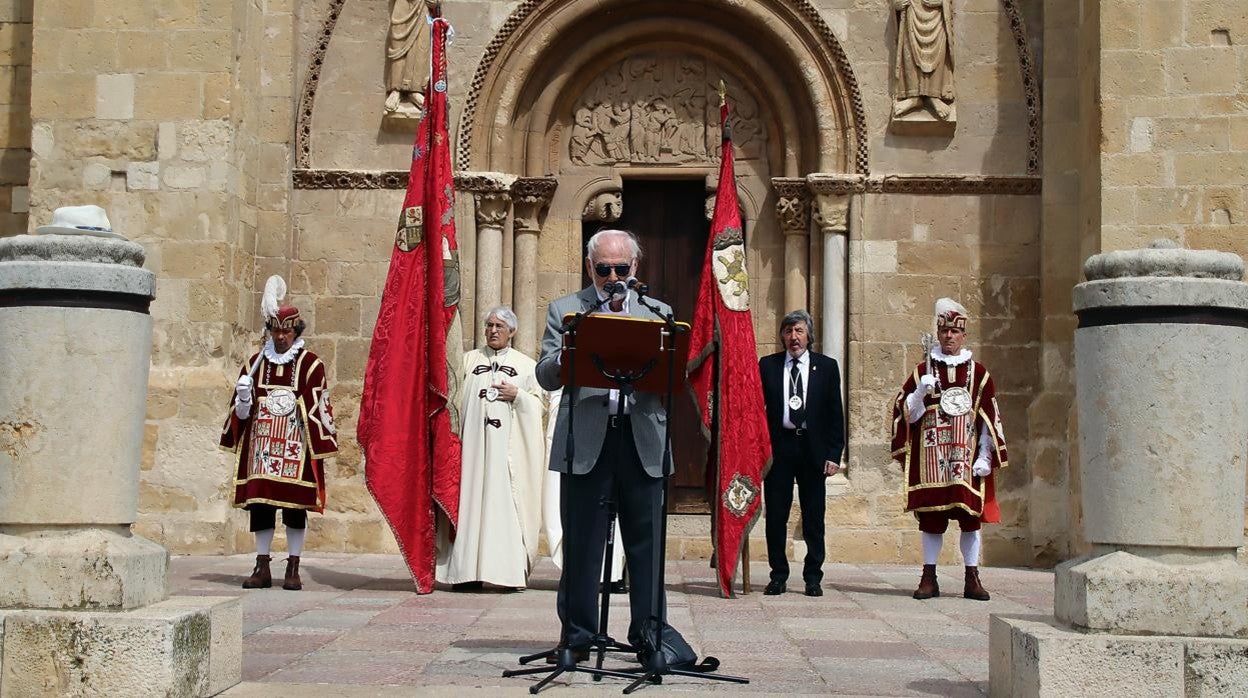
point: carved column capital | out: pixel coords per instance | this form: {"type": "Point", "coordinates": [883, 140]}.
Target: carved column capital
{"type": "Point", "coordinates": [492, 192]}
{"type": "Point", "coordinates": [532, 196]}
{"type": "Point", "coordinates": [606, 207]}
{"type": "Point", "coordinates": [792, 204]}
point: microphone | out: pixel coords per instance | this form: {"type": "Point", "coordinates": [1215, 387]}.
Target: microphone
{"type": "Point", "coordinates": [633, 283]}
{"type": "Point", "coordinates": [613, 288]}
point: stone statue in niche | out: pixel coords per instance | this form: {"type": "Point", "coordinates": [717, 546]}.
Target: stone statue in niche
{"type": "Point", "coordinates": [656, 110]}
{"type": "Point", "coordinates": [407, 56]}
{"type": "Point", "coordinates": [924, 70]}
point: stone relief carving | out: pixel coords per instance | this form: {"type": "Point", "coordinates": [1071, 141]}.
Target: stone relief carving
{"type": "Point", "coordinates": [658, 110]}
{"type": "Point", "coordinates": [792, 204]}
{"type": "Point", "coordinates": [605, 207]}
{"type": "Point", "coordinates": [407, 57]}
{"type": "Point", "coordinates": [924, 67]}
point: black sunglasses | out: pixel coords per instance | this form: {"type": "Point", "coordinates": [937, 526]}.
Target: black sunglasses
{"type": "Point", "coordinates": [604, 270]}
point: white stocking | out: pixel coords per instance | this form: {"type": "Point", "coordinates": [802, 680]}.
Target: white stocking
{"type": "Point", "coordinates": [294, 540]}
{"type": "Point", "coordinates": [931, 547]}
{"type": "Point", "coordinates": [970, 548]}
{"type": "Point", "coordinates": [264, 541]}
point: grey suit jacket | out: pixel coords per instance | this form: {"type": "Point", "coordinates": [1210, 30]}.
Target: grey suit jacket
{"type": "Point", "coordinates": [648, 416]}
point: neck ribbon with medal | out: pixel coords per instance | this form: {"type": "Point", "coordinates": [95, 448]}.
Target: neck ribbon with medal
{"type": "Point", "coordinates": [954, 401]}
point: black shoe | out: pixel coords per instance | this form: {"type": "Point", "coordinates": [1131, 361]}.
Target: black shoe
{"type": "Point", "coordinates": [620, 587]}
{"type": "Point", "coordinates": [468, 586]}
{"type": "Point", "coordinates": [814, 589]}
{"type": "Point", "coordinates": [578, 655]}
{"type": "Point", "coordinates": [774, 588]}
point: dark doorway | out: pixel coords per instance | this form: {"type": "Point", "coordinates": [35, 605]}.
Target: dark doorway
{"type": "Point", "coordinates": [669, 219]}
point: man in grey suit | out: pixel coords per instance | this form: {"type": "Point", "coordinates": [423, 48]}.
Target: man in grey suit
{"type": "Point", "coordinates": [614, 457]}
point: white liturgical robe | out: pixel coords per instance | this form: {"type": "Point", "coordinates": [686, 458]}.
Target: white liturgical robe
{"type": "Point", "coordinates": [500, 491]}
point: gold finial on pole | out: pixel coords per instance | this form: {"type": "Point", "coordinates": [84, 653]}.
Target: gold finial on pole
{"type": "Point", "coordinates": [723, 93]}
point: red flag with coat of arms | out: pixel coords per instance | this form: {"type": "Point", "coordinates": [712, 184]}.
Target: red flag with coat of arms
{"type": "Point", "coordinates": [409, 410]}
{"type": "Point", "coordinates": [723, 374]}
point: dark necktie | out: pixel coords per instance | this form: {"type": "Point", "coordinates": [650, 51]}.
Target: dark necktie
{"type": "Point", "coordinates": [797, 416]}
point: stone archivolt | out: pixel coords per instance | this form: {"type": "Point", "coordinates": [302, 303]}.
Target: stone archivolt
{"type": "Point", "coordinates": [654, 109]}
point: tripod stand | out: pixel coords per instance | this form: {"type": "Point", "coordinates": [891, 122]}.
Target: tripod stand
{"type": "Point", "coordinates": [656, 663]}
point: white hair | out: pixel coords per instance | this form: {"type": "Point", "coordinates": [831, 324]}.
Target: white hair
{"type": "Point", "coordinates": [505, 314]}
{"type": "Point", "coordinates": [591, 247]}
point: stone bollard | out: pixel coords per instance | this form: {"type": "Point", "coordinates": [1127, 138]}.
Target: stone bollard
{"type": "Point", "coordinates": [1161, 360]}
{"type": "Point", "coordinates": [83, 607]}
{"type": "Point", "coordinates": [75, 343]}
{"type": "Point", "coordinates": [1160, 605]}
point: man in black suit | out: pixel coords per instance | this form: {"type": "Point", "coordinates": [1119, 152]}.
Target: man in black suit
{"type": "Point", "coordinates": [802, 390]}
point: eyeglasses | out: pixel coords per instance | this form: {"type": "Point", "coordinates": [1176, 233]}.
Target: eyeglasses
{"type": "Point", "coordinates": [604, 270]}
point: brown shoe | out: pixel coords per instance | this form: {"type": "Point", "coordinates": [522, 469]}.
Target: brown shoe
{"type": "Point", "coordinates": [292, 581]}
{"type": "Point", "coordinates": [928, 586]}
{"type": "Point", "coordinates": [973, 589]}
{"type": "Point", "coordinates": [260, 577]}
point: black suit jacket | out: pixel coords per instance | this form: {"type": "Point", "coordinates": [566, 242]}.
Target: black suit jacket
{"type": "Point", "coordinates": [825, 416]}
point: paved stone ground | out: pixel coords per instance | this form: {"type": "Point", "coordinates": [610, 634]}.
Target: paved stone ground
{"type": "Point", "coordinates": [357, 629]}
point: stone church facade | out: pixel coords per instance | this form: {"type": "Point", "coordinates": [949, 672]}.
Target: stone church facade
{"type": "Point", "coordinates": [236, 139]}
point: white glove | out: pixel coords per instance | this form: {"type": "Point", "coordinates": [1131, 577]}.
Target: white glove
{"type": "Point", "coordinates": [927, 384]}
{"type": "Point", "coordinates": [982, 467]}
{"type": "Point", "coordinates": [243, 389]}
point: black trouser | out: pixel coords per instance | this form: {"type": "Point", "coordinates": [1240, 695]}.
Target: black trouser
{"type": "Point", "coordinates": [792, 461]}
{"type": "Point", "coordinates": [618, 474]}
{"type": "Point", "coordinates": [264, 517]}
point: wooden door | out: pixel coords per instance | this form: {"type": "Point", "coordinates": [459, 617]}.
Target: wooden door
{"type": "Point", "coordinates": [669, 219]}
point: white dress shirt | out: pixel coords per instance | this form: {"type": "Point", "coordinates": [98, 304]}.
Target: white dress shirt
{"type": "Point", "coordinates": [803, 367]}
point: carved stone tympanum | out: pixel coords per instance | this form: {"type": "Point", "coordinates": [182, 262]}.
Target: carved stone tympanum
{"type": "Point", "coordinates": [924, 68]}
{"type": "Point", "coordinates": [655, 110]}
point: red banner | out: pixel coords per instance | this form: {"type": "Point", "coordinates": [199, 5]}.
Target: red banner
{"type": "Point", "coordinates": [409, 411]}
{"type": "Point", "coordinates": [723, 374]}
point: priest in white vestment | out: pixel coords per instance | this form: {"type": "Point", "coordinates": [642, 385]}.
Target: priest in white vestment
{"type": "Point", "coordinates": [500, 491]}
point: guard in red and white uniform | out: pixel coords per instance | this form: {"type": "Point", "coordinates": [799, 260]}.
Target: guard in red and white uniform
{"type": "Point", "coordinates": [281, 428]}
{"type": "Point", "coordinates": [947, 435]}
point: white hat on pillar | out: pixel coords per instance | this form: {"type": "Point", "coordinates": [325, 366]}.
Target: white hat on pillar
{"type": "Point", "coordinates": [79, 220]}
{"type": "Point", "coordinates": [950, 313]}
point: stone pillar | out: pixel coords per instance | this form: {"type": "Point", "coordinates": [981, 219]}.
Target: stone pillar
{"type": "Point", "coordinates": [831, 216]}
{"type": "Point", "coordinates": [1158, 606]}
{"type": "Point", "coordinates": [492, 192]}
{"type": "Point", "coordinates": [532, 198]}
{"type": "Point", "coordinates": [75, 342]}
{"type": "Point", "coordinates": [793, 209]}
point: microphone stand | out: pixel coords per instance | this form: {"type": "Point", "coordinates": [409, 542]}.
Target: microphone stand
{"type": "Point", "coordinates": [658, 666]}
{"type": "Point", "coordinates": [565, 657]}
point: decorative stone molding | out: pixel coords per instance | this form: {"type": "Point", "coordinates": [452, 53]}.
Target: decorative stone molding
{"type": "Point", "coordinates": [792, 204]}
{"type": "Point", "coordinates": [606, 206]}
{"type": "Point", "coordinates": [350, 179]}
{"type": "Point", "coordinates": [1031, 86]}
{"type": "Point", "coordinates": [483, 182]}
{"type": "Point", "coordinates": [532, 196]}
{"type": "Point", "coordinates": [822, 183]}
{"type": "Point", "coordinates": [307, 97]}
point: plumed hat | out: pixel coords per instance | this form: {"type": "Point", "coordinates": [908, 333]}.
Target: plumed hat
{"type": "Point", "coordinates": [950, 313]}
{"type": "Point", "coordinates": [276, 315]}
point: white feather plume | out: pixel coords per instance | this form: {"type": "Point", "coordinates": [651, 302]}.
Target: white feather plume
{"type": "Point", "coordinates": [944, 305]}
{"type": "Point", "coordinates": [271, 299]}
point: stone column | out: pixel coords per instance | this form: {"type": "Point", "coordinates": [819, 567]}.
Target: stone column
{"type": "Point", "coordinates": [532, 198]}
{"type": "Point", "coordinates": [492, 192]}
{"type": "Point", "coordinates": [831, 216]}
{"type": "Point", "coordinates": [793, 209]}
{"type": "Point", "coordinates": [1158, 607]}
{"type": "Point", "coordinates": [75, 342]}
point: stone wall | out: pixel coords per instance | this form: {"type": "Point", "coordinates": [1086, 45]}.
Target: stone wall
{"type": "Point", "coordinates": [15, 37]}
{"type": "Point", "coordinates": [984, 251]}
